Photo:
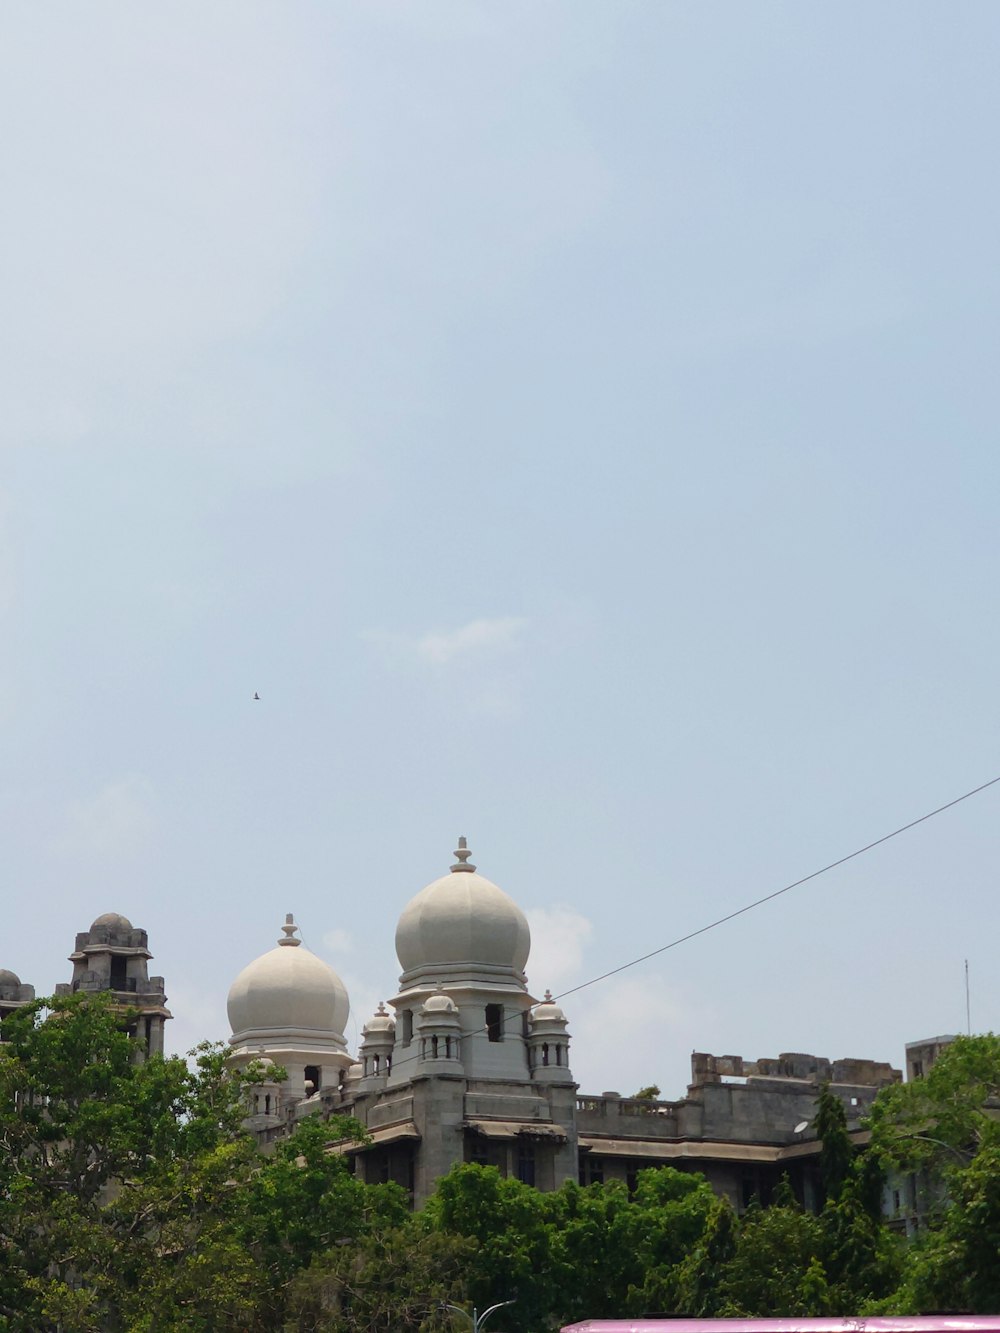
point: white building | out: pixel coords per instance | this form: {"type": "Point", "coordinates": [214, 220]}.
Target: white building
{"type": "Point", "coordinates": [469, 1066]}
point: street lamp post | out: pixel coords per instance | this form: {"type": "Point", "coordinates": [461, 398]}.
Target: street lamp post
{"type": "Point", "coordinates": [476, 1319]}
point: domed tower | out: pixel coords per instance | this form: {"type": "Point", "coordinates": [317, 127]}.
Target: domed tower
{"type": "Point", "coordinates": [292, 1007]}
{"type": "Point", "coordinates": [464, 937]}
{"type": "Point", "coordinates": [12, 994]}
{"type": "Point", "coordinates": [113, 956]}
{"type": "Point", "coordinates": [439, 1032]}
{"type": "Point", "coordinates": [377, 1037]}
{"type": "Point", "coordinates": [548, 1043]}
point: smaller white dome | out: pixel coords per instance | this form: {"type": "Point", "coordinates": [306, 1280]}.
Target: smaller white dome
{"type": "Point", "coordinates": [288, 990]}
{"type": "Point", "coordinates": [439, 1004]}
{"type": "Point", "coordinates": [354, 1072]}
{"type": "Point", "coordinates": [380, 1021]}
{"type": "Point", "coordinates": [8, 978]}
{"type": "Point", "coordinates": [548, 1011]}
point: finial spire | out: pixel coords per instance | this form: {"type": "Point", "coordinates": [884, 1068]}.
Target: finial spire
{"type": "Point", "coordinates": [463, 854]}
{"type": "Point", "coordinates": [289, 929]}
{"type": "Point", "coordinates": [548, 995]}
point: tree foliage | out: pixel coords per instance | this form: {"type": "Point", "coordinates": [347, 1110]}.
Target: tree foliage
{"type": "Point", "coordinates": [132, 1201]}
{"type": "Point", "coordinates": [942, 1131]}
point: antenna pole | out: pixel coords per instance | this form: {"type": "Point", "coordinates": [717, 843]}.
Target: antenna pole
{"type": "Point", "coordinates": [968, 1011]}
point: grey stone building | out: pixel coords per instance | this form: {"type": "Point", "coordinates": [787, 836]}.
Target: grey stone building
{"type": "Point", "coordinates": [467, 1065]}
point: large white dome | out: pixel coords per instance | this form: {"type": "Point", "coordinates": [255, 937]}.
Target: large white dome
{"type": "Point", "coordinates": [288, 990]}
{"type": "Point", "coordinates": [462, 918]}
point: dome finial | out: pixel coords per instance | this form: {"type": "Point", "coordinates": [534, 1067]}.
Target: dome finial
{"type": "Point", "coordinates": [463, 854]}
{"type": "Point", "coordinates": [548, 995]}
{"type": "Point", "coordinates": [289, 929]}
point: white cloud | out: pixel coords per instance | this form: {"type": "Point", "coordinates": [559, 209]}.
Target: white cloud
{"type": "Point", "coordinates": [626, 1030]}
{"type": "Point", "coordinates": [559, 936]}
{"type": "Point", "coordinates": [480, 664]}
{"type": "Point", "coordinates": [338, 941]}
{"type": "Point", "coordinates": [482, 638]}
{"type": "Point", "coordinates": [117, 823]}
{"type": "Point", "coordinates": [364, 998]}
{"type": "Point", "coordinates": [629, 1031]}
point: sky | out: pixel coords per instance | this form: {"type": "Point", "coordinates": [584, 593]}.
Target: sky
{"type": "Point", "coordinates": [578, 423]}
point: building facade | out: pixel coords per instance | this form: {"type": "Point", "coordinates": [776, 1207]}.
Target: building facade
{"type": "Point", "coordinates": [465, 1065]}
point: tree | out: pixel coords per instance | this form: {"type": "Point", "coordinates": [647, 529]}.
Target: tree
{"type": "Point", "coordinates": [389, 1281]}
{"type": "Point", "coordinates": [699, 1276]}
{"type": "Point", "coordinates": [942, 1131]}
{"type": "Point", "coordinates": [671, 1212]}
{"type": "Point", "coordinates": [836, 1149]}
{"type": "Point", "coordinates": [132, 1200]}
{"type": "Point", "coordinates": [941, 1120]}
{"type": "Point", "coordinates": [511, 1225]}
{"type": "Point", "coordinates": [772, 1268]}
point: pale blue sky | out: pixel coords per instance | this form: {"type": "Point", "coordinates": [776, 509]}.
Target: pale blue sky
{"type": "Point", "coordinates": [578, 421]}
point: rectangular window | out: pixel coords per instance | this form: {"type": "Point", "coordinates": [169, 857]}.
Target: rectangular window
{"type": "Point", "coordinates": [526, 1162]}
{"type": "Point", "coordinates": [494, 1022]}
{"type": "Point", "coordinates": [591, 1170]}
{"type": "Point", "coordinates": [407, 1017]}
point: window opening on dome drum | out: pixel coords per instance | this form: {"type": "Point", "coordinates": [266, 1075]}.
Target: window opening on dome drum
{"type": "Point", "coordinates": [407, 1017]}
{"type": "Point", "coordinates": [312, 1077]}
{"type": "Point", "coordinates": [494, 1022]}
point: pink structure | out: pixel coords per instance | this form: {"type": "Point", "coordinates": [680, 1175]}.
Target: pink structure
{"type": "Point", "coordinates": [950, 1323]}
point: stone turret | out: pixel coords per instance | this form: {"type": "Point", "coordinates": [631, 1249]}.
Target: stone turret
{"type": "Point", "coordinates": [378, 1035]}
{"type": "Point", "coordinates": [548, 1043]}
{"type": "Point", "coordinates": [13, 994]}
{"type": "Point", "coordinates": [112, 956]}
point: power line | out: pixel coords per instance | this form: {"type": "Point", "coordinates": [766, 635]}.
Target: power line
{"type": "Point", "coordinates": [769, 897]}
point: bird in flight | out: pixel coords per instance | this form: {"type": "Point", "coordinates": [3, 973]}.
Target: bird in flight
{"type": "Point", "coordinates": [256, 696]}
